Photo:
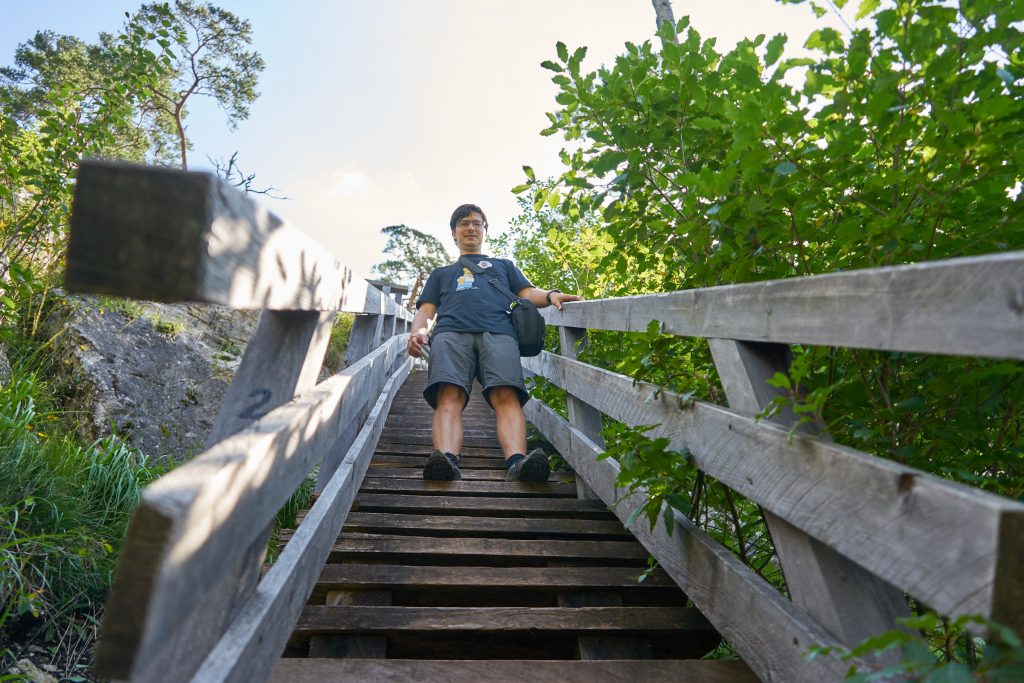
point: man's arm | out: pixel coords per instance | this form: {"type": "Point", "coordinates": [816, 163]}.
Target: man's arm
{"type": "Point", "coordinates": [543, 297]}
{"type": "Point", "coordinates": [418, 332]}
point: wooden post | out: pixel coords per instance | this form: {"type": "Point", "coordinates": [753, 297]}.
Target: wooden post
{"type": "Point", "coordinates": [850, 602]}
{"type": "Point", "coordinates": [282, 359]}
{"type": "Point", "coordinates": [582, 415]}
{"type": "Point", "coordinates": [361, 338]}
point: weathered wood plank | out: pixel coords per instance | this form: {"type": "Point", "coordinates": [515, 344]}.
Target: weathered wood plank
{"type": "Point", "coordinates": [555, 579]}
{"type": "Point", "coordinates": [192, 523]}
{"type": "Point", "coordinates": [467, 475]}
{"type": "Point", "coordinates": [470, 487]}
{"type": "Point", "coordinates": [282, 360]}
{"type": "Point", "coordinates": [893, 520]}
{"type": "Point", "coordinates": [476, 505]}
{"type": "Point", "coordinates": [247, 651]}
{"type": "Point", "coordinates": [326, 619]}
{"type": "Point", "coordinates": [549, 549]}
{"type": "Point", "coordinates": [494, 462]}
{"type": "Point", "coordinates": [582, 415]}
{"type": "Point", "coordinates": [767, 630]}
{"type": "Point", "coordinates": [850, 602]}
{"type": "Point", "coordinates": [452, 524]}
{"type": "Point", "coordinates": [422, 453]}
{"type": "Point", "coordinates": [510, 671]}
{"type": "Point", "coordinates": [970, 306]}
{"type": "Point", "coordinates": [166, 235]}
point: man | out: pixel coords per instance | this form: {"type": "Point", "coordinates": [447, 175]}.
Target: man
{"type": "Point", "coordinates": [473, 337]}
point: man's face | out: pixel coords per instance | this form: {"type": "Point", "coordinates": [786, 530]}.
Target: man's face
{"type": "Point", "coordinates": [470, 233]}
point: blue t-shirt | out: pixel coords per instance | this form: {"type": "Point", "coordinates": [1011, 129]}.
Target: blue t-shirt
{"type": "Point", "coordinates": [470, 303]}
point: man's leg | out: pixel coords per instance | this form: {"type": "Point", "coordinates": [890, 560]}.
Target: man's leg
{"type": "Point", "coordinates": [510, 420]}
{"type": "Point", "coordinates": [447, 433]}
{"type": "Point", "coordinates": [512, 436]}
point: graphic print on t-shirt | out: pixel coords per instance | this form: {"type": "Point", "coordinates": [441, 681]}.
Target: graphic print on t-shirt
{"type": "Point", "coordinates": [466, 281]}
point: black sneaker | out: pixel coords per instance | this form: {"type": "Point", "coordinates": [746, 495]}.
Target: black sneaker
{"type": "Point", "coordinates": [441, 467]}
{"type": "Point", "coordinates": [533, 468]}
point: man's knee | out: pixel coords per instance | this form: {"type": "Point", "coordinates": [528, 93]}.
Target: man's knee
{"type": "Point", "coordinates": [504, 397]}
{"type": "Point", "coordinates": [451, 395]}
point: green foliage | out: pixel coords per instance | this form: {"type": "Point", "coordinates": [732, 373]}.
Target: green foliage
{"type": "Point", "coordinates": [64, 101]}
{"type": "Point", "coordinates": [694, 168]}
{"type": "Point", "coordinates": [896, 141]}
{"type": "Point", "coordinates": [936, 650]}
{"type": "Point", "coordinates": [414, 254]}
{"type": "Point", "coordinates": [64, 507]}
{"type": "Point", "coordinates": [338, 344]}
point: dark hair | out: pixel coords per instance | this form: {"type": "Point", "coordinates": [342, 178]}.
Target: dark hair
{"type": "Point", "coordinates": [464, 211]}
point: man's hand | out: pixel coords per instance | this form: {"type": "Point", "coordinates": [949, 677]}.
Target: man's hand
{"type": "Point", "coordinates": [558, 298]}
{"type": "Point", "coordinates": [418, 343]}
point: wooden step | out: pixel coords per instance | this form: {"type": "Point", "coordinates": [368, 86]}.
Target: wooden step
{"type": "Point", "coordinates": [495, 462]}
{"type": "Point", "coordinates": [322, 619]}
{"type": "Point", "coordinates": [469, 487]}
{"type": "Point", "coordinates": [425, 439]}
{"type": "Point", "coordinates": [359, 576]}
{"type": "Point", "coordinates": [467, 475]}
{"type": "Point", "coordinates": [473, 505]}
{"type": "Point", "coordinates": [491, 450]}
{"type": "Point", "coordinates": [514, 552]}
{"type": "Point", "coordinates": [510, 671]}
{"type": "Point", "coordinates": [448, 525]}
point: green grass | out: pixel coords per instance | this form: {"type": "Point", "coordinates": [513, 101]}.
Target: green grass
{"type": "Point", "coordinates": [64, 508]}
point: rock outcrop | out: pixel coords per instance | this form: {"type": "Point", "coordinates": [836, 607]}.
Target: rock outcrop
{"type": "Point", "coordinates": [153, 373]}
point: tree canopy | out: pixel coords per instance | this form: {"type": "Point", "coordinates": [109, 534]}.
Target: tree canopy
{"type": "Point", "coordinates": [414, 255]}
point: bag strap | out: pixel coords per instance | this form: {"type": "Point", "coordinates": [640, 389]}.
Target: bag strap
{"type": "Point", "coordinates": [477, 270]}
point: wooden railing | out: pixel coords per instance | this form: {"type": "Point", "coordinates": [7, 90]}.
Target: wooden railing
{"type": "Point", "coordinates": [853, 532]}
{"type": "Point", "coordinates": [188, 600]}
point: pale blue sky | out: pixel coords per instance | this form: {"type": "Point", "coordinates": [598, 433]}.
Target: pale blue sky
{"type": "Point", "coordinates": [377, 112]}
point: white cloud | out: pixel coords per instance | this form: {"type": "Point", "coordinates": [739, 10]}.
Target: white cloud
{"type": "Point", "coordinates": [349, 183]}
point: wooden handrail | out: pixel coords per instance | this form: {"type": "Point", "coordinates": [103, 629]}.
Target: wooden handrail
{"type": "Point", "coordinates": [968, 306]}
{"type": "Point", "coordinates": [885, 516]}
{"type": "Point", "coordinates": [191, 561]}
{"type": "Point", "coordinates": [164, 235]}
{"type": "Point", "coordinates": [858, 527]}
{"type": "Point", "coordinates": [185, 597]}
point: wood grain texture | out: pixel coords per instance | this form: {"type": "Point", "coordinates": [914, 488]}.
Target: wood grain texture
{"type": "Point", "coordinates": [582, 415]}
{"type": "Point", "coordinates": [547, 550]}
{"type": "Point", "coordinates": [452, 524]}
{"type": "Point", "coordinates": [166, 235]}
{"type": "Point", "coordinates": [769, 632]}
{"type": "Point", "coordinates": [326, 619]}
{"type": "Point", "coordinates": [378, 576]}
{"type": "Point", "coordinates": [893, 520]}
{"type": "Point", "coordinates": [282, 359]}
{"type": "Point", "coordinates": [470, 487]}
{"type": "Point", "coordinates": [475, 505]}
{"type": "Point", "coordinates": [192, 522]}
{"type": "Point", "coordinates": [509, 671]}
{"type": "Point", "coordinates": [849, 602]}
{"type": "Point", "coordinates": [249, 648]}
{"type": "Point", "coordinates": [969, 306]}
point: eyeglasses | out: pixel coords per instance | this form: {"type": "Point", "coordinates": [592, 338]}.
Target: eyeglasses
{"type": "Point", "coordinates": [475, 224]}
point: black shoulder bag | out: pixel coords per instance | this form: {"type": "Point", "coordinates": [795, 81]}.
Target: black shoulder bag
{"type": "Point", "coordinates": [526, 319]}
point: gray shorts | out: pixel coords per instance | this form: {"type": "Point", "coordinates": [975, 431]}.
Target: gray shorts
{"type": "Point", "coordinates": [457, 357]}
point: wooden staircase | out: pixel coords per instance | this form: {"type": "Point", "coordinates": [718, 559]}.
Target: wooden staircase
{"type": "Point", "coordinates": [481, 579]}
